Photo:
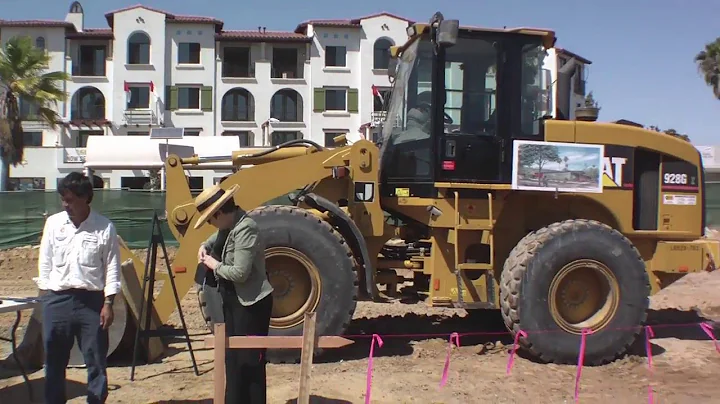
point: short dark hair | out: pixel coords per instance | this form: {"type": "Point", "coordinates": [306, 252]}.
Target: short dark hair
{"type": "Point", "coordinates": [77, 183]}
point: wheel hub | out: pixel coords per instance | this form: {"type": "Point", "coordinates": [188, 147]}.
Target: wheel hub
{"type": "Point", "coordinates": [584, 294]}
{"type": "Point", "coordinates": [296, 283]}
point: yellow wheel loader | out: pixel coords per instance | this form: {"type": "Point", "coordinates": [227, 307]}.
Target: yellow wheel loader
{"type": "Point", "coordinates": [481, 190]}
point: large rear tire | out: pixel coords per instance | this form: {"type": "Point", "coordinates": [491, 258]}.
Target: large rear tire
{"type": "Point", "coordinates": [572, 275]}
{"type": "Point", "coordinates": [311, 268]}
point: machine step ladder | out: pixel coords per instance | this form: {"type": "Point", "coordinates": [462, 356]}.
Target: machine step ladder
{"type": "Point", "coordinates": [462, 267]}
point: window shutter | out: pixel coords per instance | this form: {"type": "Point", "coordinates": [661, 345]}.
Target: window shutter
{"type": "Point", "coordinates": [206, 98]}
{"type": "Point", "coordinates": [173, 103]}
{"type": "Point", "coordinates": [319, 100]}
{"type": "Point", "coordinates": [352, 100]}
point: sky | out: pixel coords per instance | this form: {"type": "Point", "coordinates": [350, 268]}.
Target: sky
{"type": "Point", "coordinates": [642, 50]}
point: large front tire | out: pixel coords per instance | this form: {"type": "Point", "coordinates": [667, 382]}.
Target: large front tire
{"type": "Point", "coordinates": [310, 267]}
{"type": "Point", "coordinates": [574, 275]}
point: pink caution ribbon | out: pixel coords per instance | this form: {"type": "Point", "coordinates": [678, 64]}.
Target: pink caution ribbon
{"type": "Point", "coordinates": [454, 338]}
{"type": "Point", "coordinates": [581, 359]}
{"type": "Point", "coordinates": [511, 359]}
{"type": "Point", "coordinates": [379, 340]}
{"type": "Point", "coordinates": [709, 331]}
{"type": "Point", "coordinates": [649, 333]}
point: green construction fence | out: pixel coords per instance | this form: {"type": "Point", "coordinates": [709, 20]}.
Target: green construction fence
{"type": "Point", "coordinates": [23, 213]}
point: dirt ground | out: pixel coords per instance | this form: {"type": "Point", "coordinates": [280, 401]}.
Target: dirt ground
{"type": "Point", "coordinates": [408, 370]}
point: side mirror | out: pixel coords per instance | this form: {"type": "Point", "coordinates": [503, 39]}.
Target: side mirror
{"type": "Point", "coordinates": [447, 32]}
{"type": "Point", "coordinates": [392, 67]}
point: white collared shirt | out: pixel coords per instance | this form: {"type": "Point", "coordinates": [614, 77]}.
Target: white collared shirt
{"type": "Point", "coordinates": [87, 257]}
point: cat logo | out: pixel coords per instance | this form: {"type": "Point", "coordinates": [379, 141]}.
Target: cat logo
{"type": "Point", "coordinates": [364, 191]}
{"type": "Point", "coordinates": [613, 171]}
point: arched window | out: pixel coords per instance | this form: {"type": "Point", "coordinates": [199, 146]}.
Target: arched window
{"type": "Point", "coordinates": [40, 43]}
{"type": "Point", "coordinates": [139, 49]}
{"type": "Point", "coordinates": [238, 105]}
{"type": "Point", "coordinates": [381, 51]}
{"type": "Point", "coordinates": [76, 7]}
{"type": "Point", "coordinates": [88, 103]}
{"type": "Point", "coordinates": [286, 105]}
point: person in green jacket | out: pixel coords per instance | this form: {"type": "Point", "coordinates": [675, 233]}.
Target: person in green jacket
{"type": "Point", "coordinates": [239, 268]}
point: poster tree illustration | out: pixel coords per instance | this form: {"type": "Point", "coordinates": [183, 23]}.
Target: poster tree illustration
{"type": "Point", "coordinates": [561, 167]}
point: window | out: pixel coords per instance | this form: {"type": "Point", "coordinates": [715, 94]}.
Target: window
{"type": "Point", "coordinates": [244, 137]}
{"type": "Point", "coordinates": [335, 100]}
{"type": "Point", "coordinates": [379, 105]}
{"type": "Point", "coordinates": [139, 49]}
{"type": "Point", "coordinates": [188, 98]}
{"type": "Point", "coordinates": [236, 62]}
{"type": "Point", "coordinates": [335, 56]}
{"type": "Point", "coordinates": [138, 133]}
{"type": "Point", "coordinates": [33, 139]}
{"type": "Point", "coordinates": [454, 90]}
{"type": "Point", "coordinates": [381, 50]}
{"type": "Point", "coordinates": [279, 137]}
{"type": "Point", "coordinates": [237, 105]}
{"type": "Point", "coordinates": [40, 43]}
{"type": "Point", "coordinates": [191, 132]}
{"type": "Point", "coordinates": [531, 106]}
{"type": "Point", "coordinates": [90, 61]}
{"type": "Point", "coordinates": [579, 80]}
{"type": "Point", "coordinates": [285, 63]}
{"type": "Point", "coordinates": [189, 53]}
{"type": "Point", "coordinates": [28, 110]}
{"type": "Point", "coordinates": [286, 106]}
{"type": "Point", "coordinates": [139, 97]}
{"type": "Point", "coordinates": [82, 137]}
{"type": "Point", "coordinates": [26, 183]}
{"type": "Point", "coordinates": [87, 103]}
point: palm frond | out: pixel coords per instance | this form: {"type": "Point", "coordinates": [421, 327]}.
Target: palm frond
{"type": "Point", "coordinates": [24, 76]}
{"type": "Point", "coordinates": [708, 63]}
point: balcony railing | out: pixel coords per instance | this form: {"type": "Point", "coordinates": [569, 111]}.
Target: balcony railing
{"type": "Point", "coordinates": [140, 117]}
{"type": "Point", "coordinates": [285, 72]}
{"type": "Point", "coordinates": [80, 70]}
{"type": "Point", "coordinates": [235, 71]}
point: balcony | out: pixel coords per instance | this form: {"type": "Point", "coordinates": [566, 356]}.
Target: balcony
{"type": "Point", "coordinates": [89, 61]}
{"type": "Point", "coordinates": [286, 64]}
{"type": "Point", "coordinates": [145, 117]}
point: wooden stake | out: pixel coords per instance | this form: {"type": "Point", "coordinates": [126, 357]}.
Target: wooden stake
{"type": "Point", "coordinates": [306, 358]}
{"type": "Point", "coordinates": [219, 357]}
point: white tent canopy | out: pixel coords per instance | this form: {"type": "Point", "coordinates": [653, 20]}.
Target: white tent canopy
{"type": "Point", "coordinates": [141, 152]}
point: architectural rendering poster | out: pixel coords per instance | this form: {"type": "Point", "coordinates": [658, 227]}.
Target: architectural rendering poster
{"type": "Point", "coordinates": [561, 167]}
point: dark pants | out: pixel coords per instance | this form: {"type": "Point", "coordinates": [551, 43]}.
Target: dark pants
{"type": "Point", "coordinates": [245, 368]}
{"type": "Point", "coordinates": [68, 315]}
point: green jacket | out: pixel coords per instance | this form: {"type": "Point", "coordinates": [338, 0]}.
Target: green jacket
{"type": "Point", "coordinates": [243, 260]}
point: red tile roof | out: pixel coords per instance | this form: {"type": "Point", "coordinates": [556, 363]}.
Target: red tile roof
{"type": "Point", "coordinates": [92, 33]}
{"type": "Point", "coordinates": [345, 23]}
{"type": "Point", "coordinates": [169, 17]}
{"type": "Point", "coordinates": [37, 24]}
{"type": "Point", "coordinates": [267, 36]}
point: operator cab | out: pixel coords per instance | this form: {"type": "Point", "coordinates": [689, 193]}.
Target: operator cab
{"type": "Point", "coordinates": [490, 83]}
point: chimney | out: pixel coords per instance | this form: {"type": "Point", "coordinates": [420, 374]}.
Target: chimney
{"type": "Point", "coordinates": [264, 29]}
{"type": "Point", "coordinates": [259, 29]}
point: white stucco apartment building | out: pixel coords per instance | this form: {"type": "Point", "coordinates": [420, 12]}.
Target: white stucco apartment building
{"type": "Point", "coordinates": [227, 89]}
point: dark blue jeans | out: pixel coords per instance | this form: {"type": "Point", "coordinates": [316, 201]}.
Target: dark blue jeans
{"type": "Point", "coordinates": [68, 315]}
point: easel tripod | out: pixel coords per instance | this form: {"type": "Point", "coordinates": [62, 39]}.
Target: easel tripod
{"type": "Point", "coordinates": [148, 287]}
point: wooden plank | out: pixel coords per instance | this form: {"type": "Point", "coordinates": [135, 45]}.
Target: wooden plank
{"type": "Point", "coordinates": [279, 342]}
{"type": "Point", "coordinates": [306, 358]}
{"type": "Point", "coordinates": [132, 292]}
{"type": "Point", "coordinates": [219, 358]}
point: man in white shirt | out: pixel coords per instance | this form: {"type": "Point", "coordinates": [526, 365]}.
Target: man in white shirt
{"type": "Point", "coordinates": [79, 274]}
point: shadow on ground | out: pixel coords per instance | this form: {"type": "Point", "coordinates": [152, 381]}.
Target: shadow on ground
{"type": "Point", "coordinates": [400, 333]}
{"type": "Point", "coordinates": [320, 400]}
{"type": "Point", "coordinates": [18, 392]}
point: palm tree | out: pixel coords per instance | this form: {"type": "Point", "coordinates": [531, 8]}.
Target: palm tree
{"type": "Point", "coordinates": [708, 61]}
{"type": "Point", "coordinates": [23, 76]}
